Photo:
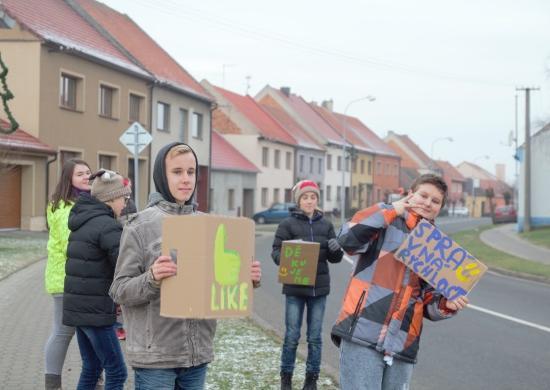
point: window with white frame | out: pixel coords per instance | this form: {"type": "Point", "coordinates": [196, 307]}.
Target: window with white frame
{"type": "Point", "coordinates": [107, 96]}
{"type": "Point", "coordinates": [265, 156]}
{"type": "Point", "coordinates": [231, 199]}
{"type": "Point", "coordinates": [277, 159]}
{"type": "Point", "coordinates": [329, 193]}
{"type": "Point", "coordinates": [65, 155]}
{"type": "Point", "coordinates": [106, 161]}
{"type": "Point", "coordinates": [70, 91]}
{"type": "Point", "coordinates": [264, 197]}
{"type": "Point", "coordinates": [329, 162]}
{"type": "Point", "coordinates": [136, 110]}
{"type": "Point", "coordinates": [163, 116]}
{"type": "Point", "coordinates": [196, 126]}
{"type": "Point", "coordinates": [288, 160]}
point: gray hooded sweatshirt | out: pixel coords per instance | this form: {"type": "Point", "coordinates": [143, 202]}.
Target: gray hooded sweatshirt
{"type": "Point", "coordinates": [153, 341]}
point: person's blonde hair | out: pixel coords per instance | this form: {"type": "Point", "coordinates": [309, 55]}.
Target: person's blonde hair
{"type": "Point", "coordinates": [179, 149]}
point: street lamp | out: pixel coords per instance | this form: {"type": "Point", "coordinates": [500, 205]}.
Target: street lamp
{"type": "Point", "coordinates": [450, 139]}
{"type": "Point", "coordinates": [370, 98]}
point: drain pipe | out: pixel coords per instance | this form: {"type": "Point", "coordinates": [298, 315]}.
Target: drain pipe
{"type": "Point", "coordinates": [48, 185]}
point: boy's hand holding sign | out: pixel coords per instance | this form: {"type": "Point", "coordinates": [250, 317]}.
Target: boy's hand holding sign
{"type": "Point", "coordinates": [441, 262]}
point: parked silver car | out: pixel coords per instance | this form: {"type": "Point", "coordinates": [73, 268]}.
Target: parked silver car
{"type": "Point", "coordinates": [459, 211]}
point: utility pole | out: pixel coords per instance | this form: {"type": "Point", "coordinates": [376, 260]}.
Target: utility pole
{"type": "Point", "coordinates": [527, 160]}
{"type": "Point", "coordinates": [516, 191]}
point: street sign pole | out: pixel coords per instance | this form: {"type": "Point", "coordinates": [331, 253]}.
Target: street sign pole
{"type": "Point", "coordinates": [136, 138]}
{"type": "Point", "coordinates": [136, 165]}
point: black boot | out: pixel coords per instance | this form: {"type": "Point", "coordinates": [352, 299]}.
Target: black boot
{"type": "Point", "coordinates": [286, 381]}
{"type": "Point", "coordinates": [311, 381]}
{"type": "Point", "coordinates": [53, 382]}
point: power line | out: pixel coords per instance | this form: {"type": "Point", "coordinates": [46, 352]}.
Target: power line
{"type": "Point", "coordinates": [173, 8]}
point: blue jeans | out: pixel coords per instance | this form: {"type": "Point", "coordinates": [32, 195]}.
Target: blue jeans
{"type": "Point", "coordinates": [188, 378]}
{"type": "Point", "coordinates": [364, 368]}
{"type": "Point", "coordinates": [100, 350]}
{"type": "Point", "coordinates": [294, 313]}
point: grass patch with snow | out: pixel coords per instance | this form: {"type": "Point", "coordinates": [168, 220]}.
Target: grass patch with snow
{"type": "Point", "coordinates": [246, 357]}
{"type": "Point", "coordinates": [18, 250]}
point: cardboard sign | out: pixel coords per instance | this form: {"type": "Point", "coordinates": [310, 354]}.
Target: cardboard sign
{"type": "Point", "coordinates": [441, 262]}
{"type": "Point", "coordinates": [213, 256]}
{"type": "Point", "coordinates": [298, 262]}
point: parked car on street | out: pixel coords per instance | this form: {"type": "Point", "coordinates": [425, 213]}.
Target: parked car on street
{"type": "Point", "coordinates": [505, 214]}
{"type": "Point", "coordinates": [459, 211]}
{"type": "Point", "coordinates": [275, 214]}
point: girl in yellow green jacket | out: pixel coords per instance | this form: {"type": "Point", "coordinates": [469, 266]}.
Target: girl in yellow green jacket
{"type": "Point", "coordinates": [73, 182]}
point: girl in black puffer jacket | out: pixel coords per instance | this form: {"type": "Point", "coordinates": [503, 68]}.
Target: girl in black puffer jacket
{"type": "Point", "coordinates": [92, 254]}
{"type": "Point", "coordinates": [306, 223]}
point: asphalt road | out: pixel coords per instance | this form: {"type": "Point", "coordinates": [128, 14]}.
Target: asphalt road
{"type": "Point", "coordinates": [479, 349]}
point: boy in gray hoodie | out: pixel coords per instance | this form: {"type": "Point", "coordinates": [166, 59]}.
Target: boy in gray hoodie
{"type": "Point", "coordinates": [164, 352]}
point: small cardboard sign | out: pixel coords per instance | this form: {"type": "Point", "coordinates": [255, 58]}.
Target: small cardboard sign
{"type": "Point", "coordinates": [298, 262]}
{"type": "Point", "coordinates": [440, 261]}
{"type": "Point", "coordinates": [213, 256]}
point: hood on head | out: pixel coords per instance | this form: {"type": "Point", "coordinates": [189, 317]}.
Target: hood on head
{"type": "Point", "coordinates": [159, 174]}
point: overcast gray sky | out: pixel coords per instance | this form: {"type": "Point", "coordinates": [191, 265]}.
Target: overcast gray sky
{"type": "Point", "coordinates": [437, 68]}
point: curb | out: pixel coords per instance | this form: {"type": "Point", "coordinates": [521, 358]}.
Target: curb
{"type": "Point", "coordinates": [520, 275]}
{"type": "Point", "coordinates": [302, 348]}
{"type": "Point", "coordinates": [23, 267]}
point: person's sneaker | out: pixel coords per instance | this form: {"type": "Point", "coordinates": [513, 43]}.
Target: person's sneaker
{"type": "Point", "coordinates": [121, 333]}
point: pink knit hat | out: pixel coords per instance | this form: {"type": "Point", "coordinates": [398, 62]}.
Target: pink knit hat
{"type": "Point", "coordinates": [304, 186]}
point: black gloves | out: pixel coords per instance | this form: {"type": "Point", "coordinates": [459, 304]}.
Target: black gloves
{"type": "Point", "coordinates": [333, 245]}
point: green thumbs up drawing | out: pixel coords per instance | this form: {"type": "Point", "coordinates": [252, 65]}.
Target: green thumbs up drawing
{"type": "Point", "coordinates": [227, 263]}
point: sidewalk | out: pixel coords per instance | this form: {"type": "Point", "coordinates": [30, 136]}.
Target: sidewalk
{"type": "Point", "coordinates": [505, 238]}
{"type": "Point", "coordinates": [26, 321]}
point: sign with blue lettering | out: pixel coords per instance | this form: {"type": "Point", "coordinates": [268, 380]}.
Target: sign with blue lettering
{"type": "Point", "coordinates": [440, 261]}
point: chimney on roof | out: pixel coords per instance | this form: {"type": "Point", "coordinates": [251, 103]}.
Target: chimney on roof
{"type": "Point", "coordinates": [328, 104]}
{"type": "Point", "coordinates": [286, 91]}
{"type": "Point", "coordinates": [500, 172]}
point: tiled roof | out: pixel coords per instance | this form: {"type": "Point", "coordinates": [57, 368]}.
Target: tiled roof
{"type": "Point", "coordinates": [142, 47]}
{"type": "Point", "coordinates": [268, 127]}
{"type": "Point", "coordinates": [450, 171]}
{"type": "Point", "coordinates": [351, 137]}
{"type": "Point", "coordinates": [478, 172]}
{"type": "Point", "coordinates": [292, 127]}
{"type": "Point", "coordinates": [55, 21]}
{"type": "Point", "coordinates": [407, 177]}
{"type": "Point", "coordinates": [304, 110]}
{"type": "Point", "coordinates": [368, 136]}
{"type": "Point", "coordinates": [226, 157]}
{"type": "Point", "coordinates": [20, 140]}
{"type": "Point", "coordinates": [414, 149]}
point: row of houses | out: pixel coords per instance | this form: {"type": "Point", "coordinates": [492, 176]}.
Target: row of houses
{"type": "Point", "coordinates": [82, 73]}
{"type": "Point", "coordinates": [289, 139]}
{"type": "Point", "coordinates": [469, 185]}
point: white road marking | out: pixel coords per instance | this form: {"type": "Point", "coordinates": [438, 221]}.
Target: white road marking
{"type": "Point", "coordinates": [510, 318]}
{"type": "Point", "coordinates": [491, 312]}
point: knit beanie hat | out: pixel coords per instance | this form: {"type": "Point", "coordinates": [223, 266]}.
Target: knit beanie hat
{"type": "Point", "coordinates": [108, 185]}
{"type": "Point", "coordinates": [304, 186]}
